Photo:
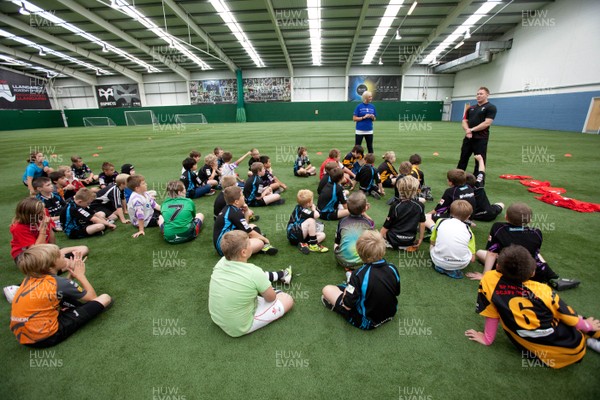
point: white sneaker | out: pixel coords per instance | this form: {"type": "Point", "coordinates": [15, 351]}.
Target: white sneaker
{"type": "Point", "coordinates": [10, 291]}
{"type": "Point", "coordinates": [287, 275]}
{"type": "Point", "coordinates": [348, 275]}
{"type": "Point", "coordinates": [594, 344]}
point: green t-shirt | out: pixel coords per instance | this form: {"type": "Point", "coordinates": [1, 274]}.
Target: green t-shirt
{"type": "Point", "coordinates": [234, 286]}
{"type": "Point", "coordinates": [178, 214]}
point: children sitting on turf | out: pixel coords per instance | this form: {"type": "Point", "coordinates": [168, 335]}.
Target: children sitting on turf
{"type": "Point", "coordinates": [254, 157]}
{"type": "Point", "coordinates": [330, 166]}
{"type": "Point", "coordinates": [73, 184]}
{"type": "Point", "coordinates": [256, 194]}
{"type": "Point", "coordinates": [516, 231]}
{"type": "Point", "coordinates": [349, 230]}
{"type": "Point", "coordinates": [534, 318]}
{"type": "Point", "coordinates": [405, 218]}
{"type": "Point", "coordinates": [302, 166]}
{"type": "Point", "coordinates": [47, 308]}
{"type": "Point", "coordinates": [332, 200]}
{"type": "Point", "coordinates": [370, 298]}
{"type": "Point", "coordinates": [46, 194]}
{"type": "Point", "coordinates": [334, 155]}
{"type": "Point", "coordinates": [354, 159]}
{"type": "Point", "coordinates": [403, 170]}
{"type": "Point", "coordinates": [218, 152]}
{"type": "Point", "coordinates": [128, 169]}
{"type": "Point", "coordinates": [240, 296]}
{"type": "Point", "coordinates": [484, 211]}
{"type": "Point", "coordinates": [387, 171]}
{"type": "Point", "coordinates": [458, 190]}
{"type": "Point", "coordinates": [208, 174]}
{"type": "Point", "coordinates": [368, 178]}
{"type": "Point", "coordinates": [193, 187]}
{"type": "Point", "coordinates": [83, 172]}
{"type": "Point", "coordinates": [195, 155]}
{"type": "Point", "coordinates": [32, 226]}
{"type": "Point", "coordinates": [110, 200]}
{"type": "Point", "coordinates": [269, 179]}
{"type": "Point", "coordinates": [179, 223]}
{"type": "Point", "coordinates": [416, 161]}
{"type": "Point", "coordinates": [37, 166]}
{"type": "Point", "coordinates": [79, 221]}
{"type": "Point", "coordinates": [452, 241]}
{"type": "Point", "coordinates": [302, 228]}
{"type": "Point", "coordinates": [107, 176]}
{"type": "Point", "coordinates": [232, 218]}
{"type": "Point", "coordinates": [144, 212]}
{"type": "Point", "coordinates": [228, 168]}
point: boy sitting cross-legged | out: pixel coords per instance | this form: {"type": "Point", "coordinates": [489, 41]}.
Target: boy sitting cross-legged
{"type": "Point", "coordinates": [80, 221]}
{"type": "Point", "coordinates": [47, 308]}
{"type": "Point", "coordinates": [232, 218]}
{"type": "Point", "coordinates": [143, 209]}
{"type": "Point", "coordinates": [302, 226]}
{"type": "Point", "coordinates": [240, 296]}
{"type": "Point", "coordinates": [371, 296]}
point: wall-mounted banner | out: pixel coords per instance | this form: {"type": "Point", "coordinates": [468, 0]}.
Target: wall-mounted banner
{"type": "Point", "coordinates": [261, 90]}
{"type": "Point", "coordinates": [213, 91]}
{"type": "Point", "coordinates": [21, 92]}
{"type": "Point", "coordinates": [383, 88]}
{"type": "Point", "coordinates": [118, 96]}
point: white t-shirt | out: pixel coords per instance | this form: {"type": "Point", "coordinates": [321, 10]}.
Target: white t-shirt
{"type": "Point", "coordinates": [454, 244]}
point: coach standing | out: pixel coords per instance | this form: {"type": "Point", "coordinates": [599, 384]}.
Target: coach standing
{"type": "Point", "coordinates": [476, 123]}
{"type": "Point", "coordinates": [364, 115]}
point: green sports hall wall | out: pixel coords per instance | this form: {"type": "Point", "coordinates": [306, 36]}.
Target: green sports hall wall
{"type": "Point", "coordinates": [255, 112]}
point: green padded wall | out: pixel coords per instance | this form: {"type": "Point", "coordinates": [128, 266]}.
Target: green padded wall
{"type": "Point", "coordinates": [30, 119]}
{"type": "Point", "coordinates": [215, 113]}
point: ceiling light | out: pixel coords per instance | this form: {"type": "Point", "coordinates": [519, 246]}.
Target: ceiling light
{"type": "Point", "coordinates": [42, 52]}
{"type": "Point", "coordinates": [384, 25]}
{"type": "Point", "coordinates": [104, 48]}
{"type": "Point", "coordinates": [398, 36]}
{"type": "Point", "coordinates": [412, 8]}
{"type": "Point", "coordinates": [468, 34]}
{"type": "Point", "coordinates": [380, 61]}
{"type": "Point", "coordinates": [229, 19]}
{"type": "Point", "coordinates": [458, 45]}
{"type": "Point", "coordinates": [23, 10]}
{"type": "Point", "coordinates": [314, 28]}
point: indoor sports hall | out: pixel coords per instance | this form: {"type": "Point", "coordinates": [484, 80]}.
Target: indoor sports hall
{"type": "Point", "coordinates": [140, 84]}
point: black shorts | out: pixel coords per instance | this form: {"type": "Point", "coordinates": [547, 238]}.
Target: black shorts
{"type": "Point", "coordinates": [328, 216]}
{"type": "Point", "coordinates": [78, 233]}
{"type": "Point", "coordinates": [154, 220]}
{"type": "Point", "coordinates": [353, 317]}
{"type": "Point", "coordinates": [387, 183]}
{"type": "Point", "coordinates": [257, 203]}
{"type": "Point", "coordinates": [489, 214]}
{"type": "Point", "coordinates": [70, 321]}
{"type": "Point", "coordinates": [102, 208]}
{"type": "Point", "coordinates": [295, 235]}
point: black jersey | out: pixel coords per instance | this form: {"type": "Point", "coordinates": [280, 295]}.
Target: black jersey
{"type": "Point", "coordinates": [105, 180]}
{"type": "Point", "coordinates": [190, 181]}
{"type": "Point", "coordinates": [331, 197]}
{"type": "Point", "coordinates": [252, 187]}
{"type": "Point", "coordinates": [534, 318]}
{"type": "Point", "coordinates": [464, 192]}
{"type": "Point", "coordinates": [403, 221]}
{"type": "Point", "coordinates": [386, 171]}
{"type": "Point", "coordinates": [219, 204]}
{"type": "Point", "coordinates": [231, 218]}
{"type": "Point", "coordinates": [110, 198]}
{"type": "Point", "coordinates": [372, 293]}
{"type": "Point", "coordinates": [204, 174]}
{"type": "Point", "coordinates": [368, 178]}
{"type": "Point", "coordinates": [476, 114]}
{"type": "Point", "coordinates": [54, 203]}
{"type": "Point", "coordinates": [324, 181]}
{"type": "Point", "coordinates": [74, 217]}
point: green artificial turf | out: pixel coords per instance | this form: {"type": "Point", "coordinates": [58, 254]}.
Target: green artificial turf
{"type": "Point", "coordinates": [158, 340]}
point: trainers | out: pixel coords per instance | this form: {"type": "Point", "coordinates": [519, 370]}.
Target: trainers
{"type": "Point", "coordinates": [387, 244]}
{"type": "Point", "coordinates": [455, 274]}
{"type": "Point", "coordinates": [317, 248]}
{"type": "Point", "coordinates": [254, 218]}
{"type": "Point", "coordinates": [594, 344]}
{"type": "Point", "coordinates": [563, 283]}
{"type": "Point", "coordinates": [375, 194]}
{"type": "Point", "coordinates": [9, 292]}
{"type": "Point", "coordinates": [303, 247]}
{"type": "Point", "coordinates": [287, 275]}
{"type": "Point", "coordinates": [212, 192]}
{"type": "Point", "coordinates": [268, 249]}
{"type": "Point", "coordinates": [327, 304]}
